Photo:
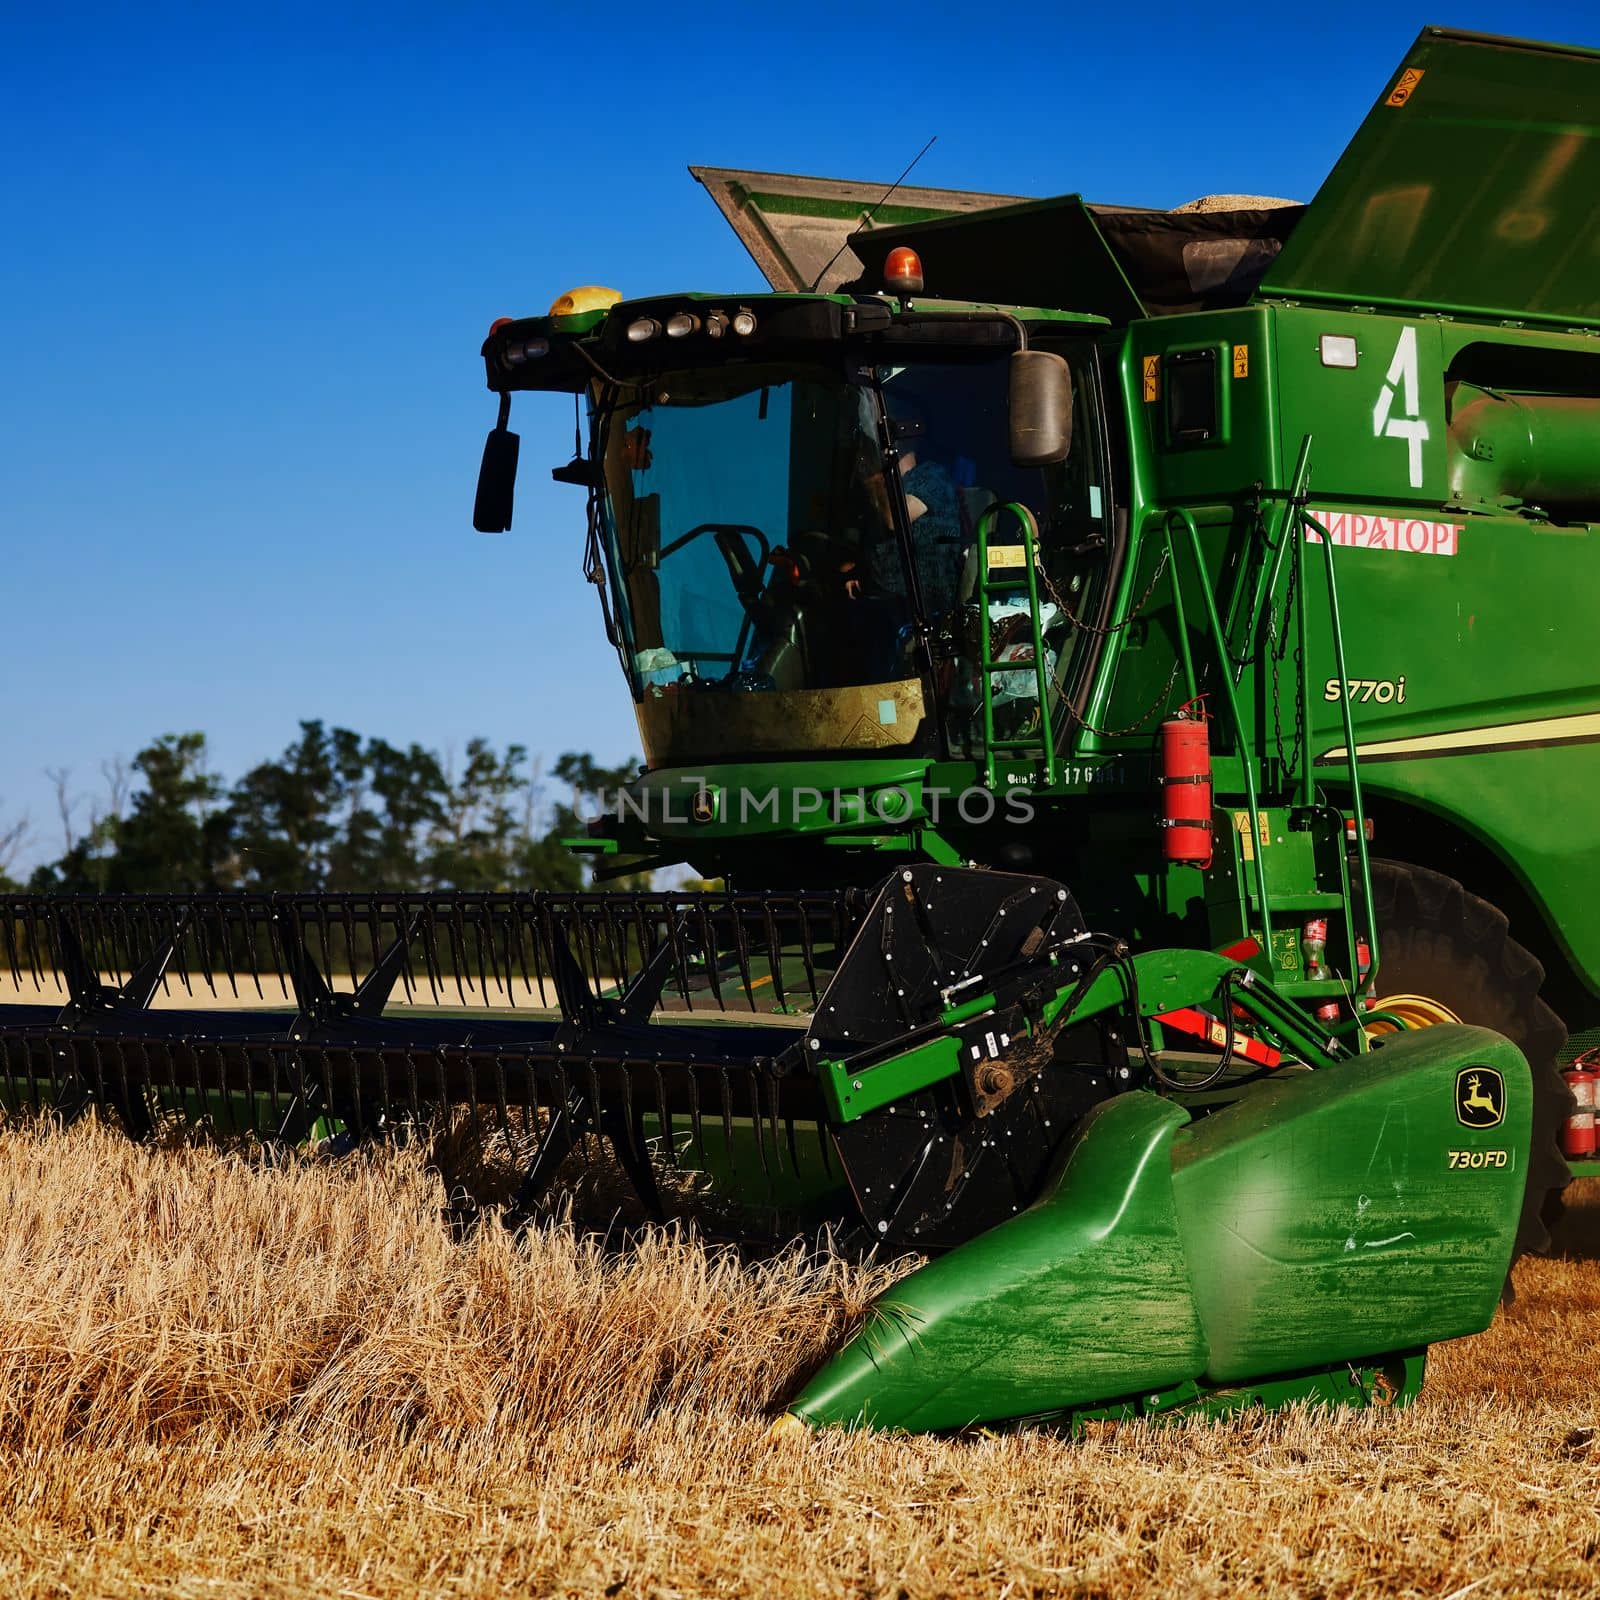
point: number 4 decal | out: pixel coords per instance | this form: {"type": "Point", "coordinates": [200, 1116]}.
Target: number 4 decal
{"type": "Point", "coordinates": [1409, 425]}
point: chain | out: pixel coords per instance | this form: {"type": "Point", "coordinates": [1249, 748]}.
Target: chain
{"type": "Point", "coordinates": [1158, 704]}
{"type": "Point", "coordinates": [1155, 708]}
{"type": "Point", "coordinates": [1116, 627]}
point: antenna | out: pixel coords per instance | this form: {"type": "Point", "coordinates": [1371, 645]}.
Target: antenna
{"type": "Point", "coordinates": [872, 211]}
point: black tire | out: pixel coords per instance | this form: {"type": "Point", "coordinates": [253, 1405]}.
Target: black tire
{"type": "Point", "coordinates": [1436, 939]}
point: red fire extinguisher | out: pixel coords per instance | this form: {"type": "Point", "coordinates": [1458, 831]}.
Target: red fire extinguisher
{"type": "Point", "coordinates": [1186, 787]}
{"type": "Point", "coordinates": [1583, 1079]}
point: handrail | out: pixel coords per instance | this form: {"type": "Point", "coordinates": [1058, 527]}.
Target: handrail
{"type": "Point", "coordinates": [1352, 761]}
{"type": "Point", "coordinates": [1267, 577]}
{"type": "Point", "coordinates": [1225, 678]}
{"type": "Point", "coordinates": [988, 666]}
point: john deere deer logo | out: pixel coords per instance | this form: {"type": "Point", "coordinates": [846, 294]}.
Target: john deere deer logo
{"type": "Point", "coordinates": [1480, 1097]}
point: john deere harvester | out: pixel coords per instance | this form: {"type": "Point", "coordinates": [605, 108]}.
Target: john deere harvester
{"type": "Point", "coordinates": [1066, 602]}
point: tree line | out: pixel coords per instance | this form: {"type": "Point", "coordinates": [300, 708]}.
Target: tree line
{"type": "Point", "coordinates": [334, 811]}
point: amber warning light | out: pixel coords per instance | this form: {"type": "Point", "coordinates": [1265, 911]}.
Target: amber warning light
{"type": "Point", "coordinates": [902, 272]}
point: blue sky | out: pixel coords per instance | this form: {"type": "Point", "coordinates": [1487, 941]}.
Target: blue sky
{"type": "Point", "coordinates": [250, 255]}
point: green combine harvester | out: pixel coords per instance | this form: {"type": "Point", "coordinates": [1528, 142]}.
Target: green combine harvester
{"type": "Point", "coordinates": [1153, 647]}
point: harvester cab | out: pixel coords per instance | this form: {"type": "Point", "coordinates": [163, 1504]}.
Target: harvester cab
{"type": "Point", "coordinates": [971, 580]}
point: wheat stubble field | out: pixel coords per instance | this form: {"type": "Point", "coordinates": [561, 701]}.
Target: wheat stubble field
{"type": "Point", "coordinates": [222, 1380]}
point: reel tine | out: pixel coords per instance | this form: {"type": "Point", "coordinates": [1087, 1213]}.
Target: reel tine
{"type": "Point", "coordinates": [769, 926]}
{"type": "Point", "coordinates": [697, 1130]}
{"type": "Point", "coordinates": [127, 1089]}
{"type": "Point", "coordinates": [591, 921]}
{"type": "Point", "coordinates": [250, 932]}
{"type": "Point", "coordinates": [458, 943]}
{"type": "Point", "coordinates": [539, 928]}
{"type": "Point", "coordinates": [615, 946]}
{"type": "Point", "coordinates": [680, 955]}
{"type": "Point", "coordinates": [396, 917]}
{"type": "Point", "coordinates": [162, 927]}
{"type": "Point", "coordinates": [709, 951]}
{"type": "Point", "coordinates": [664, 1117]}
{"type": "Point", "coordinates": [596, 1112]}
{"type": "Point", "coordinates": [564, 1086]}
{"type": "Point", "coordinates": [501, 1101]}
{"type": "Point", "coordinates": [627, 1095]}
{"type": "Point", "coordinates": [774, 1113]}
{"type": "Point", "coordinates": [727, 1117]}
{"type": "Point", "coordinates": [8, 928]}
{"type": "Point", "coordinates": [515, 916]}
{"type": "Point", "coordinates": [474, 1114]}
{"type": "Point", "coordinates": [217, 943]}
{"type": "Point", "coordinates": [741, 946]}
{"type": "Point", "coordinates": [347, 923]}
{"type": "Point", "coordinates": [825, 1144]}
{"type": "Point", "coordinates": [311, 913]}
{"type": "Point", "coordinates": [372, 928]}
{"type": "Point", "coordinates": [195, 937]}
{"type": "Point", "coordinates": [794, 1142]}
{"type": "Point", "coordinates": [413, 1088]}
{"type": "Point", "coordinates": [757, 1128]}
{"type": "Point", "coordinates": [489, 928]}
{"type": "Point", "coordinates": [113, 930]}
{"type": "Point", "coordinates": [808, 955]}
{"type": "Point", "coordinates": [430, 947]}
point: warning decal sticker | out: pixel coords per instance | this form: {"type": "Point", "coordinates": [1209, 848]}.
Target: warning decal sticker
{"type": "Point", "coordinates": [1409, 79]}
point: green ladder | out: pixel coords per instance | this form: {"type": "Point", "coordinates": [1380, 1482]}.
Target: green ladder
{"type": "Point", "coordinates": [1015, 581]}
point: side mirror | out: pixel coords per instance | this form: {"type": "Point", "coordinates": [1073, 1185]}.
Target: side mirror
{"type": "Point", "coordinates": [497, 482]}
{"type": "Point", "coordinates": [1040, 405]}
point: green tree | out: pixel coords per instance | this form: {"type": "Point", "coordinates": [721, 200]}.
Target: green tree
{"type": "Point", "coordinates": [474, 842]}
{"type": "Point", "coordinates": [284, 814]}
{"type": "Point", "coordinates": [175, 835]}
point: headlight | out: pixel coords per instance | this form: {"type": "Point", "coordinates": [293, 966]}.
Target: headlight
{"type": "Point", "coordinates": [716, 324]}
{"type": "Point", "coordinates": [681, 323]}
{"type": "Point", "coordinates": [530, 350]}
{"type": "Point", "coordinates": [744, 323]}
{"type": "Point", "coordinates": [643, 328]}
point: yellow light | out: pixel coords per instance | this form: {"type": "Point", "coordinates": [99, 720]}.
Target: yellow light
{"type": "Point", "coordinates": [591, 297]}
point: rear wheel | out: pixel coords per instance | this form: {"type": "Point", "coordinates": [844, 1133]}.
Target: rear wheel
{"type": "Point", "coordinates": [1438, 943]}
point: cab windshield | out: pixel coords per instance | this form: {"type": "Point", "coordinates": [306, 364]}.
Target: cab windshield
{"type": "Point", "coordinates": [744, 510]}
{"type": "Point", "coordinates": [792, 551]}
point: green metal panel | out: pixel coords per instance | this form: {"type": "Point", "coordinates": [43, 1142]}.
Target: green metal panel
{"type": "Point", "coordinates": [1334, 1216]}
{"type": "Point", "coordinates": [1348, 1212]}
{"type": "Point", "coordinates": [1082, 1297]}
{"type": "Point", "coordinates": [1379, 427]}
{"type": "Point", "coordinates": [1247, 447]}
{"type": "Point", "coordinates": [1469, 188]}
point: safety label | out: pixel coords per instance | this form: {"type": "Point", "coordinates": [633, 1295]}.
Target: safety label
{"type": "Point", "coordinates": [1373, 531]}
{"type": "Point", "coordinates": [1409, 79]}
